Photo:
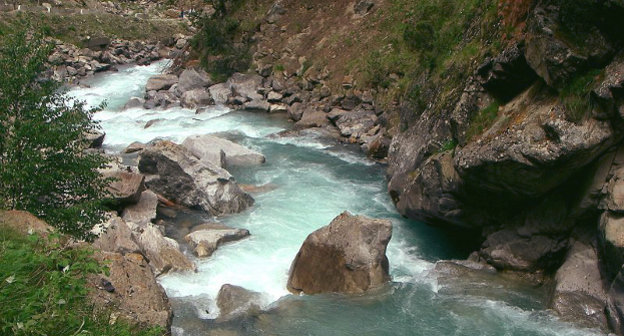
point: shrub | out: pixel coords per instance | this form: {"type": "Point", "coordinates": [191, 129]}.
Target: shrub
{"type": "Point", "coordinates": [576, 96]}
{"type": "Point", "coordinates": [44, 167]}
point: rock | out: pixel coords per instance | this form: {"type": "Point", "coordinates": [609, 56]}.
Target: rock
{"type": "Point", "coordinates": [354, 123]}
{"type": "Point", "coordinates": [552, 56]}
{"type": "Point", "coordinates": [579, 296]}
{"type": "Point", "coordinates": [126, 187]}
{"type": "Point", "coordinates": [614, 198]}
{"type": "Point", "coordinates": [295, 112]}
{"type": "Point", "coordinates": [347, 256]}
{"type": "Point", "coordinates": [160, 82]}
{"type": "Point", "coordinates": [143, 212]}
{"type": "Point", "coordinates": [274, 97]}
{"type": "Point", "coordinates": [152, 122]}
{"type": "Point", "coordinates": [312, 117]}
{"type": "Point", "coordinates": [350, 102]}
{"type": "Point", "coordinates": [363, 6]}
{"type": "Point", "coordinates": [507, 250]}
{"type": "Point", "coordinates": [196, 98]}
{"type": "Point", "coordinates": [611, 238]}
{"type": "Point", "coordinates": [163, 253]}
{"type": "Point", "coordinates": [191, 79]}
{"type": "Point", "coordinates": [134, 147]}
{"type": "Point", "coordinates": [179, 176]}
{"type": "Point", "coordinates": [209, 148]}
{"type": "Point", "coordinates": [116, 236]}
{"type": "Point", "coordinates": [134, 102]}
{"type": "Point", "coordinates": [71, 71]}
{"type": "Point", "coordinates": [278, 108]}
{"type": "Point", "coordinates": [181, 43]}
{"type": "Point", "coordinates": [246, 86]}
{"type": "Point", "coordinates": [24, 222]}
{"type": "Point", "coordinates": [205, 241]}
{"type": "Point", "coordinates": [234, 301]}
{"type": "Point", "coordinates": [95, 139]}
{"type": "Point", "coordinates": [136, 294]}
{"type": "Point", "coordinates": [257, 105]}
{"type": "Point", "coordinates": [97, 43]}
{"type": "Point", "coordinates": [220, 93]}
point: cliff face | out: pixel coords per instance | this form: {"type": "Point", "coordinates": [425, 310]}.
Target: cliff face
{"type": "Point", "coordinates": [542, 171]}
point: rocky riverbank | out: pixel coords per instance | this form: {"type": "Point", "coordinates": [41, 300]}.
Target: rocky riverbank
{"type": "Point", "coordinates": [70, 64]}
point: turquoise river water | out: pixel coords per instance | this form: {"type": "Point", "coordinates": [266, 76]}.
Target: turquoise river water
{"type": "Point", "coordinates": [315, 180]}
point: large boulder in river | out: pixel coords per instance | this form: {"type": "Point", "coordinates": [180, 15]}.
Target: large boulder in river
{"type": "Point", "coordinates": [579, 295]}
{"type": "Point", "coordinates": [209, 148]}
{"type": "Point", "coordinates": [181, 177]}
{"type": "Point", "coordinates": [347, 256]}
{"type": "Point", "coordinates": [160, 82]}
{"type": "Point", "coordinates": [208, 237]}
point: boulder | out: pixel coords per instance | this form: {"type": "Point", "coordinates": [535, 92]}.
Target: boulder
{"type": "Point", "coordinates": [363, 6]}
{"type": "Point", "coordinates": [257, 105]}
{"type": "Point", "coordinates": [191, 79]}
{"type": "Point", "coordinates": [97, 43]}
{"type": "Point", "coordinates": [209, 148]}
{"type": "Point", "coordinates": [134, 102]}
{"type": "Point", "coordinates": [312, 117]}
{"type": "Point", "coordinates": [162, 253]}
{"type": "Point", "coordinates": [246, 85]}
{"type": "Point", "coordinates": [208, 238]}
{"type": "Point", "coordinates": [134, 147]}
{"type": "Point", "coordinates": [115, 236]}
{"type": "Point", "coordinates": [144, 211]}
{"type": "Point", "coordinates": [196, 98]}
{"type": "Point", "coordinates": [181, 177]}
{"type": "Point", "coordinates": [234, 301]}
{"type": "Point", "coordinates": [554, 57]}
{"type": "Point", "coordinates": [95, 139]}
{"type": "Point", "coordinates": [161, 82]}
{"type": "Point", "coordinates": [220, 93]}
{"type": "Point", "coordinates": [130, 289]}
{"type": "Point", "coordinates": [126, 187]}
{"type": "Point", "coordinates": [347, 256]}
{"type": "Point", "coordinates": [353, 123]}
{"type": "Point", "coordinates": [579, 296]}
{"type": "Point", "coordinates": [507, 250]}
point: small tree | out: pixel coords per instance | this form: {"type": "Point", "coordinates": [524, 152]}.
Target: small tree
{"type": "Point", "coordinates": [44, 167]}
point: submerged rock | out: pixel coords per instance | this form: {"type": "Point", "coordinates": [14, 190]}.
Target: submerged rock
{"type": "Point", "coordinates": [208, 237]}
{"type": "Point", "coordinates": [347, 256]}
{"type": "Point", "coordinates": [209, 149]}
{"type": "Point", "coordinates": [234, 301]}
{"type": "Point", "coordinates": [179, 176]}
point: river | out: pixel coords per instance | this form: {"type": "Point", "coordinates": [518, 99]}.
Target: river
{"type": "Point", "coordinates": [315, 179]}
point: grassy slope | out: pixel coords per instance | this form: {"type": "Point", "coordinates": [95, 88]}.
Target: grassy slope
{"type": "Point", "coordinates": [401, 47]}
{"type": "Point", "coordinates": [43, 290]}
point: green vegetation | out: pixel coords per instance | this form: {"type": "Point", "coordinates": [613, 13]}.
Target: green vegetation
{"type": "Point", "coordinates": [482, 120]}
{"type": "Point", "coordinates": [44, 168]}
{"type": "Point", "coordinates": [448, 146]}
{"type": "Point", "coordinates": [576, 96]}
{"type": "Point", "coordinates": [74, 28]}
{"type": "Point", "coordinates": [222, 42]}
{"type": "Point", "coordinates": [43, 290]}
{"type": "Point", "coordinates": [434, 42]}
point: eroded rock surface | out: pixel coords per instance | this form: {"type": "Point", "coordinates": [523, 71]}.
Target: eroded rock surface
{"type": "Point", "coordinates": [347, 256]}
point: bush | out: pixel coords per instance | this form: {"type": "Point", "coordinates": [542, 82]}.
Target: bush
{"type": "Point", "coordinates": [482, 120]}
{"type": "Point", "coordinates": [576, 96]}
{"type": "Point", "coordinates": [44, 167]}
{"type": "Point", "coordinates": [43, 290]}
